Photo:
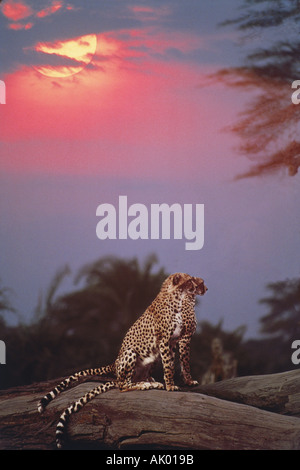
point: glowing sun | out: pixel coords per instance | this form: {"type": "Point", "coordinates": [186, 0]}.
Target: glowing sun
{"type": "Point", "coordinates": [80, 51]}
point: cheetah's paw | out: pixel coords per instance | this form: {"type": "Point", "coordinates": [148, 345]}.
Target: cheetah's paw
{"type": "Point", "coordinates": [172, 388]}
{"type": "Point", "coordinates": [192, 383]}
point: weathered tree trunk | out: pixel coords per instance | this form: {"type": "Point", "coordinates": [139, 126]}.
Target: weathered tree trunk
{"type": "Point", "coordinates": [274, 392]}
{"type": "Point", "coordinates": [158, 419]}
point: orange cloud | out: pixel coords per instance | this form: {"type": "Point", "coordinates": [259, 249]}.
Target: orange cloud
{"type": "Point", "coordinates": [16, 10]}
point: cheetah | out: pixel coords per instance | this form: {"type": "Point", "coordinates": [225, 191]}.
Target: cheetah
{"type": "Point", "coordinates": [223, 365]}
{"type": "Point", "coordinates": [168, 321]}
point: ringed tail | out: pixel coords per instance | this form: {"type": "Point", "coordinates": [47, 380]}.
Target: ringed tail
{"type": "Point", "coordinates": [76, 406]}
{"type": "Point", "coordinates": [68, 381]}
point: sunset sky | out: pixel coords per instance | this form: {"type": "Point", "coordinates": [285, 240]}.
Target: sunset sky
{"type": "Point", "coordinates": [109, 98]}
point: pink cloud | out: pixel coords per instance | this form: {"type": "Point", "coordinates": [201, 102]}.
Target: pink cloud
{"type": "Point", "coordinates": [16, 10]}
{"type": "Point", "coordinates": [56, 5]}
{"type": "Point", "coordinates": [127, 123]}
{"type": "Point", "coordinates": [140, 9]}
{"type": "Point", "coordinates": [121, 116]}
{"type": "Point", "coordinates": [19, 26]}
{"type": "Point", "coordinates": [146, 13]}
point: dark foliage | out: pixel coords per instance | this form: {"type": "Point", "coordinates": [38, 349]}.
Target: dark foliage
{"type": "Point", "coordinates": [85, 327]}
{"type": "Point", "coordinates": [283, 318]}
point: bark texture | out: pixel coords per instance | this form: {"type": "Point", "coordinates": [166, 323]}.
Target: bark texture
{"type": "Point", "coordinates": [258, 412]}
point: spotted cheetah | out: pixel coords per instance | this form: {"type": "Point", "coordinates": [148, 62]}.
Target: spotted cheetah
{"type": "Point", "coordinates": [169, 320]}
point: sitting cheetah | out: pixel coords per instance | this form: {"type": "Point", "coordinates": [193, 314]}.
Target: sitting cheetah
{"type": "Point", "coordinates": [169, 320]}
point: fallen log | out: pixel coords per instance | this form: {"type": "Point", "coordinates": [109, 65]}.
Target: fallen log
{"type": "Point", "coordinates": [273, 392]}
{"type": "Point", "coordinates": [153, 419]}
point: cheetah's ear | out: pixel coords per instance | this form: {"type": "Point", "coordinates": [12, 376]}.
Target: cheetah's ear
{"type": "Point", "coordinates": [176, 279]}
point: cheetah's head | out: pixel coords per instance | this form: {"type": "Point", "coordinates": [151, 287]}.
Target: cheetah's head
{"type": "Point", "coordinates": [186, 283]}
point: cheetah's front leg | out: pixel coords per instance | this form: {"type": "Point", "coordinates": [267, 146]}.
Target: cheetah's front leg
{"type": "Point", "coordinates": [167, 353]}
{"type": "Point", "coordinates": [184, 352]}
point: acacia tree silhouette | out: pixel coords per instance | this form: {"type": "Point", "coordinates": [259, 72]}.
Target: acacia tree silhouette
{"type": "Point", "coordinates": [269, 125]}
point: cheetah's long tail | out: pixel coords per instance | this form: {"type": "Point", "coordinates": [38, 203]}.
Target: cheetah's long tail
{"type": "Point", "coordinates": [68, 381]}
{"type": "Point", "coordinates": [76, 406]}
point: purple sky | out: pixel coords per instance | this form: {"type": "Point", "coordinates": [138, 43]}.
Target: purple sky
{"type": "Point", "coordinates": [136, 117]}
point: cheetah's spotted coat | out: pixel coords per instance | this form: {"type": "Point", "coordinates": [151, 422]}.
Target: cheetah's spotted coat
{"type": "Point", "coordinates": [169, 320]}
